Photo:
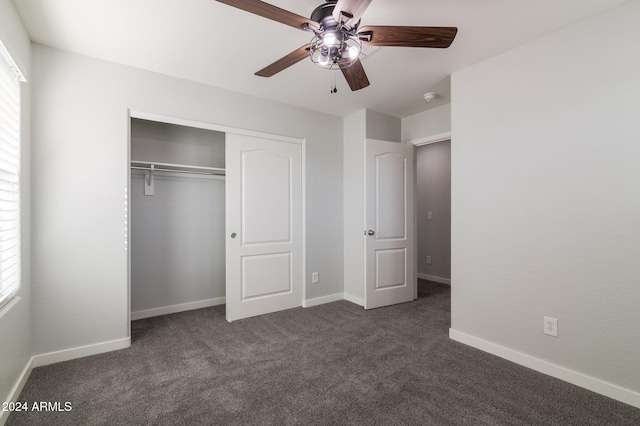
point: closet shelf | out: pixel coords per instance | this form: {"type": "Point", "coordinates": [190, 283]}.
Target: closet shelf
{"type": "Point", "coordinates": [176, 168]}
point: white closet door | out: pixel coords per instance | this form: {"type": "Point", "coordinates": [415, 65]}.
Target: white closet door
{"type": "Point", "coordinates": [390, 237]}
{"type": "Point", "coordinates": [264, 226]}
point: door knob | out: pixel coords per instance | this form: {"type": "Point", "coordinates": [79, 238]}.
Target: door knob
{"type": "Point", "coordinates": [371, 232]}
{"type": "Point", "coordinates": [233, 235]}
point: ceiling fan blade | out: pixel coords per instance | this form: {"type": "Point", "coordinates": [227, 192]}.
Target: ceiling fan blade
{"type": "Point", "coordinates": [353, 7]}
{"type": "Point", "coordinates": [269, 11]}
{"type": "Point", "coordinates": [438, 37]}
{"type": "Point", "coordinates": [285, 62]}
{"type": "Point", "coordinates": [355, 76]}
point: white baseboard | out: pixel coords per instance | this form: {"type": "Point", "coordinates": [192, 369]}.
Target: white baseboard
{"type": "Point", "coordinates": [353, 299]}
{"type": "Point", "coordinates": [434, 278]}
{"type": "Point", "coordinates": [59, 356]}
{"type": "Point", "coordinates": [79, 352]}
{"type": "Point", "coordinates": [17, 388]}
{"type": "Point", "coordinates": [164, 310]}
{"type": "Point", "coordinates": [579, 379]}
{"type": "Point", "coordinates": [322, 300]}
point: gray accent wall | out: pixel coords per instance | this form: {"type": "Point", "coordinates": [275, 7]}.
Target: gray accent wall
{"type": "Point", "coordinates": [433, 194]}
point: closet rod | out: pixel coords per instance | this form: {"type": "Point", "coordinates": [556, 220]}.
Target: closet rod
{"type": "Point", "coordinates": [156, 169]}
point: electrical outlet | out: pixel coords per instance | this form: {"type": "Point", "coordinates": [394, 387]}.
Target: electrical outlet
{"type": "Point", "coordinates": [315, 277]}
{"type": "Point", "coordinates": [428, 260]}
{"type": "Point", "coordinates": [551, 326]}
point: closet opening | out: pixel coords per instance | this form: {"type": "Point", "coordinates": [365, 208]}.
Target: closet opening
{"type": "Point", "coordinates": [176, 218]}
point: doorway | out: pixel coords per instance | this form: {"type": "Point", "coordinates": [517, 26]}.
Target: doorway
{"type": "Point", "coordinates": [433, 211]}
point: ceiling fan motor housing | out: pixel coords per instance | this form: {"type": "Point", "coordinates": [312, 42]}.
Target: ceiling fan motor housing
{"type": "Point", "coordinates": [323, 15]}
{"type": "Point", "coordinates": [335, 45]}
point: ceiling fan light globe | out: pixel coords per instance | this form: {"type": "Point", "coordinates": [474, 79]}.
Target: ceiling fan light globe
{"type": "Point", "coordinates": [330, 40]}
{"type": "Point", "coordinates": [353, 52]}
{"type": "Point", "coordinates": [320, 54]}
{"type": "Point", "coordinates": [323, 61]}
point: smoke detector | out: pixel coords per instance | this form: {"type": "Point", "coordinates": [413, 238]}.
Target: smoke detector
{"type": "Point", "coordinates": [429, 96]}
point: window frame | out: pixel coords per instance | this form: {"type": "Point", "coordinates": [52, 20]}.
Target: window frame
{"type": "Point", "coordinates": [10, 165]}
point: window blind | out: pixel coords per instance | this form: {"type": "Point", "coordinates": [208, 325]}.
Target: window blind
{"type": "Point", "coordinates": [9, 177]}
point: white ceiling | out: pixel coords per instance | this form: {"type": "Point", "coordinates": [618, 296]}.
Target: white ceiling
{"type": "Point", "coordinates": [215, 44]}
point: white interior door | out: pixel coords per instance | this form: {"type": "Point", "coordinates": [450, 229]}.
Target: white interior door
{"type": "Point", "coordinates": [264, 226]}
{"type": "Point", "coordinates": [389, 236]}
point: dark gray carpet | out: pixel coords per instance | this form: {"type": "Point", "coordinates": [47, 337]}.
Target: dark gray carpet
{"type": "Point", "coordinates": [333, 364]}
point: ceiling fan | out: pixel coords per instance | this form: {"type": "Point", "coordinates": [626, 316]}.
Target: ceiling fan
{"type": "Point", "coordinates": [338, 37]}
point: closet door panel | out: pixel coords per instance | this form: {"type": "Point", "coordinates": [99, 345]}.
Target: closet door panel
{"type": "Point", "coordinates": [266, 203]}
{"type": "Point", "coordinates": [255, 268]}
{"type": "Point", "coordinates": [264, 226]}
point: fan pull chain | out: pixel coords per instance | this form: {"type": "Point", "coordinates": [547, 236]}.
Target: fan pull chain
{"type": "Point", "coordinates": [334, 88]}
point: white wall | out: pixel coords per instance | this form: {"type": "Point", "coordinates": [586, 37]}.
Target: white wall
{"type": "Point", "coordinates": [171, 143]}
{"type": "Point", "coordinates": [80, 138]}
{"type": "Point", "coordinates": [431, 122]}
{"type": "Point", "coordinates": [177, 243]}
{"type": "Point", "coordinates": [15, 321]}
{"type": "Point", "coordinates": [546, 205]}
{"type": "Point", "coordinates": [383, 127]}
{"type": "Point", "coordinates": [355, 133]}
{"type": "Point", "coordinates": [177, 234]}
